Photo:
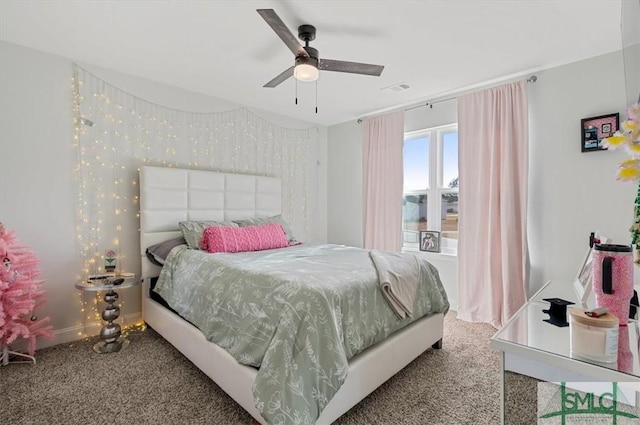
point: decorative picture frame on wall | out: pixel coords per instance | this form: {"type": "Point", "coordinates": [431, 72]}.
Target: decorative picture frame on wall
{"type": "Point", "coordinates": [429, 241]}
{"type": "Point", "coordinates": [594, 129]}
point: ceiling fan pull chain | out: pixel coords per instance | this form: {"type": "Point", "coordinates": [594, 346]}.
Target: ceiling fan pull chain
{"type": "Point", "coordinates": [296, 91]}
{"type": "Point", "coordinates": [316, 96]}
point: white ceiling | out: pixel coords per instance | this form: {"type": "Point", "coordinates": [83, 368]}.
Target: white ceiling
{"type": "Point", "coordinates": [225, 49]}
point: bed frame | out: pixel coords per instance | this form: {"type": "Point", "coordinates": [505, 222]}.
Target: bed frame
{"type": "Point", "coordinates": [170, 195]}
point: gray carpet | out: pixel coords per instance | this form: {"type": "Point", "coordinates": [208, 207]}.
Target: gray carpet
{"type": "Point", "coordinates": [151, 382]}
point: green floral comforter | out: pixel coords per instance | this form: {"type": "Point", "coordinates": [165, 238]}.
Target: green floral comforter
{"type": "Point", "coordinates": [297, 313]}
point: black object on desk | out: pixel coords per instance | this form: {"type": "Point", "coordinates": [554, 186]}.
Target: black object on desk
{"type": "Point", "coordinates": [557, 312]}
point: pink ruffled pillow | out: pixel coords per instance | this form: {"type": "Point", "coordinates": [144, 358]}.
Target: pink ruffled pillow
{"type": "Point", "coordinates": [242, 239]}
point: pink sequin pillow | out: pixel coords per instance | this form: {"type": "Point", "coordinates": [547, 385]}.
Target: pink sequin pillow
{"type": "Point", "coordinates": [242, 239]}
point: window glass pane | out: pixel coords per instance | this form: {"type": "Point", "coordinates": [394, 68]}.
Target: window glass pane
{"type": "Point", "coordinates": [414, 216]}
{"type": "Point", "coordinates": [450, 160]}
{"type": "Point", "coordinates": [449, 215]}
{"type": "Point", "coordinates": [419, 186]}
{"type": "Point", "coordinates": [416, 164]}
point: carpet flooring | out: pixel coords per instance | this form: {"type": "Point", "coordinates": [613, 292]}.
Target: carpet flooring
{"type": "Point", "coordinates": [150, 382]}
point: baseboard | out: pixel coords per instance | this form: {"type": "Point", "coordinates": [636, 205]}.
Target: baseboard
{"type": "Point", "coordinates": [75, 333]}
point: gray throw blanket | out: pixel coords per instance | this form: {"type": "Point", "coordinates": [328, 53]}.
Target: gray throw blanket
{"type": "Point", "coordinates": [398, 276]}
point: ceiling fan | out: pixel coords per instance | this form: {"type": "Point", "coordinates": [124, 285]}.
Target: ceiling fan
{"type": "Point", "coordinates": [307, 59]}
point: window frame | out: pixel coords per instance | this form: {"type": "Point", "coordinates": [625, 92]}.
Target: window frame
{"type": "Point", "coordinates": [434, 192]}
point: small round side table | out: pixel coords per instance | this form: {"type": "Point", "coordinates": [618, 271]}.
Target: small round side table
{"type": "Point", "coordinates": [110, 334]}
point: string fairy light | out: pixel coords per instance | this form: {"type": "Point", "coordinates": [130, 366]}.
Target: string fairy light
{"type": "Point", "coordinates": [115, 132]}
{"type": "Point", "coordinates": [92, 318]}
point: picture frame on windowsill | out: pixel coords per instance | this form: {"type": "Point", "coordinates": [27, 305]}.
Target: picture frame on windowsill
{"type": "Point", "coordinates": [429, 241]}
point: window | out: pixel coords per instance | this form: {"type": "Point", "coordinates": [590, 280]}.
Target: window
{"type": "Point", "coordinates": [430, 200]}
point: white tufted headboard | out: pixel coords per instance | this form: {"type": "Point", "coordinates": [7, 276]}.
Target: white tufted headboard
{"type": "Point", "coordinates": [171, 195]}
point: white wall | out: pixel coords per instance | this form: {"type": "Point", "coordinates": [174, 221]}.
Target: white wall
{"type": "Point", "coordinates": [37, 161]}
{"type": "Point", "coordinates": [37, 169]}
{"type": "Point", "coordinates": [570, 193]}
{"type": "Point", "coordinates": [573, 193]}
{"type": "Point", "coordinates": [442, 113]}
{"type": "Point", "coordinates": [344, 184]}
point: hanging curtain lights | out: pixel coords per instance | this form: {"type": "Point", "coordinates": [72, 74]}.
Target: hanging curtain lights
{"type": "Point", "coordinates": [114, 133]}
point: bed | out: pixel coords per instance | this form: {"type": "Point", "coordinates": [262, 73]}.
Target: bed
{"type": "Point", "coordinates": [171, 195]}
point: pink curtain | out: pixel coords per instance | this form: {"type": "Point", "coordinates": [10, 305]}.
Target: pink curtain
{"type": "Point", "coordinates": [493, 163]}
{"type": "Point", "coordinates": [382, 181]}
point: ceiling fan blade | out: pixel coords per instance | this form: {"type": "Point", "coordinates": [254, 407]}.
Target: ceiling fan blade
{"type": "Point", "coordinates": [351, 67]}
{"type": "Point", "coordinates": [280, 78]}
{"type": "Point", "coordinates": [274, 21]}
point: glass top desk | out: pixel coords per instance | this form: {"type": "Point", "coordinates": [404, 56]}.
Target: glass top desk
{"type": "Point", "coordinates": [530, 346]}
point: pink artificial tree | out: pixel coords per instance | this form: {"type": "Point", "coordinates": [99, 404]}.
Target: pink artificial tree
{"type": "Point", "coordinates": [20, 296]}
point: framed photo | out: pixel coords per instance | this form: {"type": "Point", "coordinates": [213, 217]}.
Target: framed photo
{"type": "Point", "coordinates": [429, 241]}
{"type": "Point", "coordinates": [582, 282]}
{"type": "Point", "coordinates": [594, 129]}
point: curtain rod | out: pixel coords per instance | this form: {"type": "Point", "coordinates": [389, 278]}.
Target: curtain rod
{"type": "Point", "coordinates": [531, 79]}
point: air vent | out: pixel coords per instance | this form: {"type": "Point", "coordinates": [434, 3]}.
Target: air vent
{"type": "Point", "coordinates": [397, 87]}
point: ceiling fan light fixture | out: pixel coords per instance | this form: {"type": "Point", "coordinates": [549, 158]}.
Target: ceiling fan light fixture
{"type": "Point", "coordinates": [306, 72]}
{"type": "Point", "coordinates": [307, 59]}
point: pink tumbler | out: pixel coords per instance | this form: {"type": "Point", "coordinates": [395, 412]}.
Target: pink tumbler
{"type": "Point", "coordinates": [613, 279]}
{"type": "Point", "coordinates": [625, 355]}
